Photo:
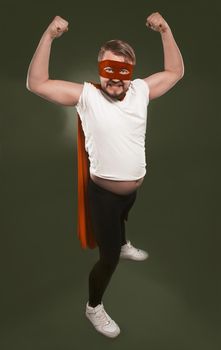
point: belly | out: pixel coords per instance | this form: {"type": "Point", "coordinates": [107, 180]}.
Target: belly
{"type": "Point", "coordinates": [119, 187]}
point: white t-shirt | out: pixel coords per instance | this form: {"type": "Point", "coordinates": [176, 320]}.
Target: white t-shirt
{"type": "Point", "coordinates": [115, 131]}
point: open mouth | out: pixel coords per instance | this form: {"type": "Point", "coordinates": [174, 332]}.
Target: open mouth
{"type": "Point", "coordinates": [114, 84]}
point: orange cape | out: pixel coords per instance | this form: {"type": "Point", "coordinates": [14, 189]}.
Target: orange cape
{"type": "Point", "coordinates": [84, 226]}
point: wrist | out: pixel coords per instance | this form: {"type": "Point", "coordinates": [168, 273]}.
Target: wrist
{"type": "Point", "coordinates": [165, 31]}
{"type": "Point", "coordinates": [47, 37]}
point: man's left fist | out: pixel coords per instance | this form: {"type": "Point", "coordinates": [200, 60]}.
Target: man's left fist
{"type": "Point", "coordinates": [156, 22]}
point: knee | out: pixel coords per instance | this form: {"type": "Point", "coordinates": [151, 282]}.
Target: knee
{"type": "Point", "coordinates": [110, 262]}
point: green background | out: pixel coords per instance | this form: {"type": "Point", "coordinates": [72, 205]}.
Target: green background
{"type": "Point", "coordinates": [170, 301]}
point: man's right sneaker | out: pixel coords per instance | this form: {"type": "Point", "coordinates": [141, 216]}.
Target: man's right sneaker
{"type": "Point", "coordinates": [102, 321]}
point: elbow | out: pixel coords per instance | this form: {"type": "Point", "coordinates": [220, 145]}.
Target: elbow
{"type": "Point", "coordinates": [31, 87]}
{"type": "Point", "coordinates": [181, 73]}
{"type": "Point", "coordinates": [28, 84]}
{"type": "Point", "coordinates": [177, 74]}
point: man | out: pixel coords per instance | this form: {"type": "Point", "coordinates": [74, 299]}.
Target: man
{"type": "Point", "coordinates": [113, 118]}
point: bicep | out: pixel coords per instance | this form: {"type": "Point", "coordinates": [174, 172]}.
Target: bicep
{"type": "Point", "coordinates": [61, 92]}
{"type": "Point", "coordinates": [159, 83]}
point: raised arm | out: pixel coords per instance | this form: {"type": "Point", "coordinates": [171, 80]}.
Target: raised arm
{"type": "Point", "coordinates": [159, 83]}
{"type": "Point", "coordinates": [57, 91]}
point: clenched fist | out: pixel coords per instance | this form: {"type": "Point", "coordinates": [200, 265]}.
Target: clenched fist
{"type": "Point", "coordinates": [57, 27]}
{"type": "Point", "coordinates": [156, 22]}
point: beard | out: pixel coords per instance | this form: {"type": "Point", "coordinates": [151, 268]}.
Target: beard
{"type": "Point", "coordinates": [114, 90]}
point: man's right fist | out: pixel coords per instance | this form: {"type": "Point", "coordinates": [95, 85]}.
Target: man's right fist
{"type": "Point", "coordinates": [57, 27]}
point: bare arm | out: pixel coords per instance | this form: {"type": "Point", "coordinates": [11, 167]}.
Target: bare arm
{"type": "Point", "coordinates": [58, 91]}
{"type": "Point", "coordinates": [159, 83]}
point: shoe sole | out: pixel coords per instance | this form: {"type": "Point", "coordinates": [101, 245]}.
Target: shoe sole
{"type": "Point", "coordinates": [131, 258]}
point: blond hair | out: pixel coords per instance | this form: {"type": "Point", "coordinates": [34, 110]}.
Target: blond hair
{"type": "Point", "coordinates": [119, 48]}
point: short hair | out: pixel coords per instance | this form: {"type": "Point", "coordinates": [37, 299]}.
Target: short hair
{"type": "Point", "coordinates": [119, 48]}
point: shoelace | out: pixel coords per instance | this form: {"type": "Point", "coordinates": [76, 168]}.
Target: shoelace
{"type": "Point", "coordinates": [130, 246]}
{"type": "Point", "coordinates": [101, 315]}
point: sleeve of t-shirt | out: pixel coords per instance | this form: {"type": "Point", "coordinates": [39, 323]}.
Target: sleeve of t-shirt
{"type": "Point", "coordinates": [82, 102]}
{"type": "Point", "coordinates": [143, 88]}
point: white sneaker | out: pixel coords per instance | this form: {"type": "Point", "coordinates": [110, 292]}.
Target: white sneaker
{"type": "Point", "coordinates": [102, 321]}
{"type": "Point", "coordinates": [130, 252]}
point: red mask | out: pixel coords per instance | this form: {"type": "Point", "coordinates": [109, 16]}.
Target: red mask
{"type": "Point", "coordinates": [116, 67]}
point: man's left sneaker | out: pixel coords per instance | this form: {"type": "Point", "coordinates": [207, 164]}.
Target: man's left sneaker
{"type": "Point", "coordinates": [130, 252]}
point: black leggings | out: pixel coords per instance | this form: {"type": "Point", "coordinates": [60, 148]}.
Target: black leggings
{"type": "Point", "coordinates": [108, 214]}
